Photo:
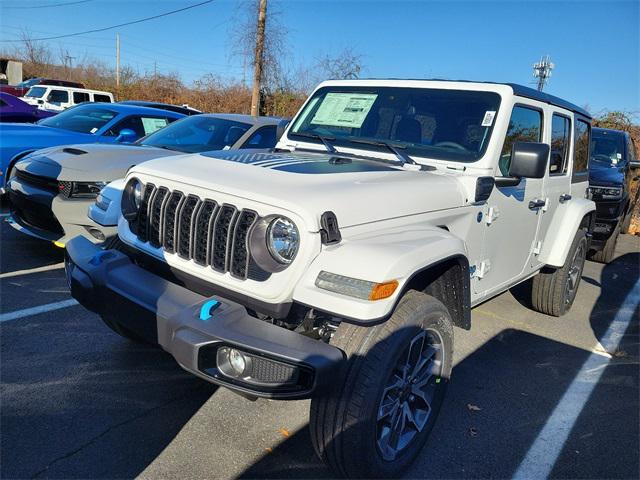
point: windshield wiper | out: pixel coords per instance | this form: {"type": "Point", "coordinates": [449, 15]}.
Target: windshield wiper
{"type": "Point", "coordinates": [325, 140]}
{"type": "Point", "coordinates": [395, 149]}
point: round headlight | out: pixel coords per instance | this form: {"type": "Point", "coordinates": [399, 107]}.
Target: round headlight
{"type": "Point", "coordinates": [283, 240]}
{"type": "Point", "coordinates": [137, 194]}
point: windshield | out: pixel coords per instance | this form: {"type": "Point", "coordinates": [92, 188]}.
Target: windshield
{"type": "Point", "coordinates": [607, 147]}
{"type": "Point", "coordinates": [434, 123]}
{"type": "Point", "coordinates": [29, 83]}
{"type": "Point", "coordinates": [198, 134]}
{"type": "Point", "coordinates": [36, 92]}
{"type": "Point", "coordinates": [83, 119]}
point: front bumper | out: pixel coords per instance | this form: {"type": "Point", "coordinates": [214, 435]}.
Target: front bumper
{"type": "Point", "coordinates": [109, 283]}
{"type": "Point", "coordinates": [45, 214]}
{"type": "Point", "coordinates": [608, 215]}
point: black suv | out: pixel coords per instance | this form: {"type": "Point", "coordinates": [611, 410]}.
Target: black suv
{"type": "Point", "coordinates": [612, 158]}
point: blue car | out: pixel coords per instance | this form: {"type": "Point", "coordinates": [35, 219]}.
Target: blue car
{"type": "Point", "coordinates": [86, 123]}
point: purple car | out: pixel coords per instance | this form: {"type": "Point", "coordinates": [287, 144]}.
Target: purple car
{"type": "Point", "coordinates": [12, 109]}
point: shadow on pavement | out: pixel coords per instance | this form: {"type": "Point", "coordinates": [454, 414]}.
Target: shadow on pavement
{"type": "Point", "coordinates": [81, 404]}
{"type": "Point", "coordinates": [22, 252]}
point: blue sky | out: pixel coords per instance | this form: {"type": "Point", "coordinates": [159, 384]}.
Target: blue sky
{"type": "Point", "coordinates": [594, 44]}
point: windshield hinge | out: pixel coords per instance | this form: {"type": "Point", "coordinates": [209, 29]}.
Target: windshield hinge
{"type": "Point", "coordinates": [329, 231]}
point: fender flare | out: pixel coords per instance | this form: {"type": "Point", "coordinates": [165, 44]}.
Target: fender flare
{"type": "Point", "coordinates": [378, 256]}
{"type": "Point", "coordinates": [566, 221]}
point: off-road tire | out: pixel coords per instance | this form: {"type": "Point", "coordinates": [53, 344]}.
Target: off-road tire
{"type": "Point", "coordinates": [122, 331]}
{"type": "Point", "coordinates": [550, 285]}
{"type": "Point", "coordinates": [606, 254]}
{"type": "Point", "coordinates": [343, 423]}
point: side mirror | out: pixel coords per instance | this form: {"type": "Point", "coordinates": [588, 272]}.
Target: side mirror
{"type": "Point", "coordinates": [634, 164]}
{"type": "Point", "coordinates": [40, 101]}
{"type": "Point", "coordinates": [282, 126]}
{"type": "Point", "coordinates": [529, 160]}
{"type": "Point", "coordinates": [126, 136]}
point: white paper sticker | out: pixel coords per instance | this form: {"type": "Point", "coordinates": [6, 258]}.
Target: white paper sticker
{"type": "Point", "coordinates": [93, 130]}
{"type": "Point", "coordinates": [151, 125]}
{"type": "Point", "coordinates": [344, 109]}
{"type": "Point", "coordinates": [489, 115]}
{"type": "Point", "coordinates": [619, 156]}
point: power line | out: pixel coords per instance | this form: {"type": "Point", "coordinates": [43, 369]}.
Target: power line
{"type": "Point", "coordinates": [116, 26]}
{"type": "Point", "coordinates": [50, 6]}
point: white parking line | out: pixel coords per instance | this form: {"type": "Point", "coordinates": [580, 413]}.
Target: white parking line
{"type": "Point", "coordinates": [543, 454]}
{"type": "Point", "coordinates": [27, 312]}
{"type": "Point", "coordinates": [46, 268]}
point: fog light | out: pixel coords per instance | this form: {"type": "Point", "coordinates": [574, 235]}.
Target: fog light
{"type": "Point", "coordinates": [237, 361]}
{"type": "Point", "coordinates": [97, 234]}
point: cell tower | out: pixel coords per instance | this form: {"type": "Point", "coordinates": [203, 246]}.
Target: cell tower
{"type": "Point", "coordinates": [542, 71]}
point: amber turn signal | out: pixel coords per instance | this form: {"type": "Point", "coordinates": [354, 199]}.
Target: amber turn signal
{"type": "Point", "coordinates": [383, 290]}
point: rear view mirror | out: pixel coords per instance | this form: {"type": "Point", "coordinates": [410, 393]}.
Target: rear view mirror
{"type": "Point", "coordinates": [126, 135]}
{"type": "Point", "coordinates": [529, 160]}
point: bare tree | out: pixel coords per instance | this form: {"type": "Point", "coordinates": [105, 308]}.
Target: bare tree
{"type": "Point", "coordinates": [344, 66]}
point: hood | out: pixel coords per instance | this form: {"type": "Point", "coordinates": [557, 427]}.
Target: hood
{"type": "Point", "coordinates": [357, 190]}
{"type": "Point", "coordinates": [605, 174]}
{"type": "Point", "coordinates": [91, 162]}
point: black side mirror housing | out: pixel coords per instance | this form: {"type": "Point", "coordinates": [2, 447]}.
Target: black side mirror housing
{"type": "Point", "coordinates": [529, 160]}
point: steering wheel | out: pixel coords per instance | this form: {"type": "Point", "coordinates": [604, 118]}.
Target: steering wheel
{"type": "Point", "coordinates": [455, 145]}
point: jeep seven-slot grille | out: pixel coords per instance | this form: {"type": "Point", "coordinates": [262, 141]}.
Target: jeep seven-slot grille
{"type": "Point", "coordinates": [204, 231]}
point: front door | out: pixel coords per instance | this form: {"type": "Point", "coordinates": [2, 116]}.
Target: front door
{"type": "Point", "coordinates": [512, 213]}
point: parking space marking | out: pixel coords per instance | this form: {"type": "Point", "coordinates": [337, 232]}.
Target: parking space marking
{"type": "Point", "coordinates": [543, 454]}
{"type": "Point", "coordinates": [27, 312]}
{"type": "Point", "coordinates": [46, 268]}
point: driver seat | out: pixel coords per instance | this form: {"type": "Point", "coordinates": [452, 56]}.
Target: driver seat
{"type": "Point", "coordinates": [408, 130]}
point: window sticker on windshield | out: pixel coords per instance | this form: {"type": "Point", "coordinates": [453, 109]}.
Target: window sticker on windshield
{"type": "Point", "coordinates": [344, 109]}
{"type": "Point", "coordinates": [150, 125]}
{"type": "Point", "coordinates": [93, 130]}
{"type": "Point", "coordinates": [489, 115]}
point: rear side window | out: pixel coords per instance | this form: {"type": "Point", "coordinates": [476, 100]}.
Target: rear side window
{"type": "Point", "coordinates": [264, 137]}
{"type": "Point", "coordinates": [581, 147]}
{"type": "Point", "coordinates": [560, 138]}
{"type": "Point", "coordinates": [58, 96]}
{"type": "Point", "coordinates": [101, 98]}
{"type": "Point", "coordinates": [525, 125]}
{"type": "Point", "coordinates": [79, 97]}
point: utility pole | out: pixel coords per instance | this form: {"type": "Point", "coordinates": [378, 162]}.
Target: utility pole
{"type": "Point", "coordinates": [117, 60]}
{"type": "Point", "coordinates": [542, 71]}
{"type": "Point", "coordinates": [259, 57]}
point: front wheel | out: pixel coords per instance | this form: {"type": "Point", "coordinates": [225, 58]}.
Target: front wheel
{"type": "Point", "coordinates": [380, 412]}
{"type": "Point", "coordinates": [555, 289]}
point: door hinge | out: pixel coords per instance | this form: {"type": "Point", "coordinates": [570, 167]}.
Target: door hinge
{"type": "Point", "coordinates": [537, 248]}
{"type": "Point", "coordinates": [492, 215]}
{"type": "Point", "coordinates": [479, 271]}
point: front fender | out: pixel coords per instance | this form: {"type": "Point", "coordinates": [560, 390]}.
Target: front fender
{"type": "Point", "coordinates": [377, 256]}
{"type": "Point", "coordinates": [564, 225]}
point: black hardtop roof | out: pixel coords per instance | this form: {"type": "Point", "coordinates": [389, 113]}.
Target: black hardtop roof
{"type": "Point", "coordinates": [518, 89]}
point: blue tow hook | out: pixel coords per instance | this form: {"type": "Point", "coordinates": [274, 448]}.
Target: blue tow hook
{"type": "Point", "coordinates": [207, 309]}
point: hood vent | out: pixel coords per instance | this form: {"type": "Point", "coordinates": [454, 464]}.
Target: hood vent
{"type": "Point", "coordinates": [74, 151]}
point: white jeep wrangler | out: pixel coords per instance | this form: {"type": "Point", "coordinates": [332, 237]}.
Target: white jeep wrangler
{"type": "Point", "coordinates": [335, 266]}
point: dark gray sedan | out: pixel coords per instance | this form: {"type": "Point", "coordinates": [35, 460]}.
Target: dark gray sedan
{"type": "Point", "coordinates": [52, 189]}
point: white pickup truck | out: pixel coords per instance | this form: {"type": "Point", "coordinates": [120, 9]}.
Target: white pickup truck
{"type": "Point", "coordinates": [335, 266]}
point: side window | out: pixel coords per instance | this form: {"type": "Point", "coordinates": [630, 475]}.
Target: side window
{"type": "Point", "coordinates": [141, 125]}
{"type": "Point", "coordinates": [264, 137]}
{"type": "Point", "coordinates": [79, 97]}
{"type": "Point", "coordinates": [101, 98]}
{"type": "Point", "coordinates": [560, 138]}
{"type": "Point", "coordinates": [525, 125]}
{"type": "Point", "coordinates": [581, 147]}
{"type": "Point", "coordinates": [58, 96]}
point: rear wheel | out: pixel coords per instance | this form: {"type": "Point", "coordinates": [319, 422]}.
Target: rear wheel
{"type": "Point", "coordinates": [555, 289]}
{"type": "Point", "coordinates": [383, 406]}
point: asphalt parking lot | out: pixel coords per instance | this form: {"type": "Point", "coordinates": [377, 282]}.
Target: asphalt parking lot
{"type": "Point", "coordinates": [531, 395]}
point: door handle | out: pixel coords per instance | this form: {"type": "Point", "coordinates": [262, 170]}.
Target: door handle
{"type": "Point", "coordinates": [565, 197]}
{"type": "Point", "coordinates": [536, 204]}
